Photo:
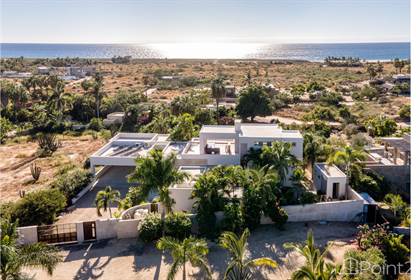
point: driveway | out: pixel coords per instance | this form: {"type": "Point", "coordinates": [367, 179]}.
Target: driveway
{"type": "Point", "coordinates": [126, 259]}
{"type": "Point", "coordinates": [85, 209]}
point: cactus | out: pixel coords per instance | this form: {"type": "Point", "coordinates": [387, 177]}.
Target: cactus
{"type": "Point", "coordinates": [48, 144]}
{"type": "Point", "coordinates": [35, 171]}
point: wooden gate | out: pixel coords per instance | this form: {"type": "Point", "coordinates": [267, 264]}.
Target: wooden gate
{"type": "Point", "coordinates": [89, 231]}
{"type": "Point", "coordinates": [57, 233]}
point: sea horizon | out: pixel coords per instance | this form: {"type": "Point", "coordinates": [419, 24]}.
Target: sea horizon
{"type": "Point", "coordinates": [369, 51]}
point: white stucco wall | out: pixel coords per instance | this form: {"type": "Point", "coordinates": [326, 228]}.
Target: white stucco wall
{"type": "Point", "coordinates": [335, 211]}
{"type": "Point", "coordinates": [27, 235]}
{"type": "Point", "coordinates": [182, 199]}
{"type": "Point", "coordinates": [127, 228]}
{"type": "Point", "coordinates": [106, 228]}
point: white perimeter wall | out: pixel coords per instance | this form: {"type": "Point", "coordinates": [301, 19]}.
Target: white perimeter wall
{"type": "Point", "coordinates": [182, 199]}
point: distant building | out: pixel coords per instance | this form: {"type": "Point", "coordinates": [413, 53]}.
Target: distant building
{"type": "Point", "coordinates": [43, 70]}
{"type": "Point", "coordinates": [392, 160]}
{"type": "Point", "coordinates": [81, 71]}
{"type": "Point", "coordinates": [114, 118]}
{"type": "Point", "coordinates": [330, 181]}
{"type": "Point", "coordinates": [15, 74]}
{"type": "Point", "coordinates": [401, 78]}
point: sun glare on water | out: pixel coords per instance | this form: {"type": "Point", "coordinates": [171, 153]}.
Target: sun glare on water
{"type": "Point", "coordinates": [206, 50]}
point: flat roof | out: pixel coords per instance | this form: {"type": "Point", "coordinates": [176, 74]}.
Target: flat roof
{"type": "Point", "coordinates": [268, 131]}
{"type": "Point", "coordinates": [330, 170]}
{"type": "Point", "coordinates": [218, 129]}
{"type": "Point", "coordinates": [399, 143]}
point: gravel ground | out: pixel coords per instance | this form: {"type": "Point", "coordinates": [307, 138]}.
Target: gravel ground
{"type": "Point", "coordinates": [126, 259]}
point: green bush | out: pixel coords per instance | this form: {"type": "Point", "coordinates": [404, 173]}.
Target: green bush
{"type": "Point", "coordinates": [405, 112]}
{"type": "Point", "coordinates": [233, 219]}
{"type": "Point", "coordinates": [150, 229]}
{"type": "Point", "coordinates": [39, 207]}
{"type": "Point", "coordinates": [278, 215]}
{"type": "Point", "coordinates": [71, 182]}
{"type": "Point", "coordinates": [178, 225]}
{"type": "Point", "coordinates": [357, 264]}
{"type": "Point", "coordinates": [308, 198]}
{"type": "Point", "coordinates": [96, 124]}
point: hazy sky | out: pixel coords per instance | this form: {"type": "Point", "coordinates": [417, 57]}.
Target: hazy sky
{"type": "Point", "coordinates": [160, 21]}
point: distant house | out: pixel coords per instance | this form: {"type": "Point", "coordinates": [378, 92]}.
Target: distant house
{"type": "Point", "coordinates": [15, 74]}
{"type": "Point", "coordinates": [81, 71]}
{"type": "Point", "coordinates": [43, 70]}
{"type": "Point", "coordinates": [114, 118]}
{"type": "Point", "coordinates": [230, 91]}
{"type": "Point", "coordinates": [401, 78]}
{"type": "Point", "coordinates": [392, 160]}
{"type": "Point", "coordinates": [330, 181]}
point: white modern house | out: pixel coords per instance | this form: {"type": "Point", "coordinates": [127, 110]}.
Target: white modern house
{"type": "Point", "coordinates": [216, 145]}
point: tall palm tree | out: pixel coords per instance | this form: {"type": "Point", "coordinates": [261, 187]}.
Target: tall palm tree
{"type": "Point", "coordinates": [157, 172]}
{"type": "Point", "coordinates": [280, 157]}
{"type": "Point", "coordinates": [218, 91]}
{"type": "Point", "coordinates": [240, 266]}
{"type": "Point", "coordinates": [311, 148]}
{"type": "Point", "coordinates": [105, 198]}
{"type": "Point", "coordinates": [315, 267]}
{"type": "Point", "coordinates": [264, 180]}
{"type": "Point", "coordinates": [191, 250]}
{"type": "Point", "coordinates": [56, 101]}
{"type": "Point", "coordinates": [15, 257]}
{"type": "Point", "coordinates": [97, 92]}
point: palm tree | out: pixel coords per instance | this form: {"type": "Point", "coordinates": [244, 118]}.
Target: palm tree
{"type": "Point", "coordinates": [264, 180]}
{"type": "Point", "coordinates": [349, 158]}
{"type": "Point", "coordinates": [191, 250]}
{"type": "Point", "coordinates": [105, 198]}
{"type": "Point", "coordinates": [97, 92]}
{"type": "Point", "coordinates": [217, 91]}
{"type": "Point", "coordinates": [156, 172]}
{"type": "Point", "coordinates": [15, 257]}
{"type": "Point", "coordinates": [57, 102]}
{"type": "Point", "coordinates": [315, 267]}
{"type": "Point", "coordinates": [240, 267]}
{"type": "Point", "coordinates": [280, 157]}
{"type": "Point", "coordinates": [395, 203]}
{"type": "Point", "coordinates": [311, 149]}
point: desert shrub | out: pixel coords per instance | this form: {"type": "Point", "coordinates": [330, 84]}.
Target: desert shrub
{"type": "Point", "coordinates": [321, 113]}
{"type": "Point", "coordinates": [308, 198]}
{"type": "Point", "coordinates": [96, 124]}
{"type": "Point", "coordinates": [39, 207]}
{"type": "Point", "coordinates": [71, 182]}
{"type": "Point", "coordinates": [178, 225]}
{"type": "Point", "coordinates": [35, 171]}
{"type": "Point", "coordinates": [359, 264]}
{"type": "Point", "coordinates": [359, 140]}
{"type": "Point", "coordinates": [150, 229]}
{"type": "Point", "coordinates": [233, 218]}
{"type": "Point", "coordinates": [47, 144]}
{"type": "Point", "coordinates": [278, 215]}
{"type": "Point", "coordinates": [390, 244]}
{"type": "Point", "coordinates": [405, 112]}
{"type": "Point", "coordinates": [380, 126]}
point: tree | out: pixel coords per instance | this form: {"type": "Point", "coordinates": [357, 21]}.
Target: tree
{"type": "Point", "coordinates": [399, 64]}
{"type": "Point", "coordinates": [311, 148]}
{"type": "Point", "coordinates": [96, 90]}
{"type": "Point", "coordinates": [5, 127]}
{"type": "Point", "coordinates": [240, 267]}
{"type": "Point", "coordinates": [349, 158]}
{"type": "Point", "coordinates": [405, 112]}
{"type": "Point", "coordinates": [395, 203]}
{"type": "Point", "coordinates": [185, 129]}
{"type": "Point", "coordinates": [191, 250]}
{"type": "Point", "coordinates": [156, 172]}
{"type": "Point", "coordinates": [105, 198]}
{"type": "Point", "coordinates": [57, 102]}
{"type": "Point", "coordinates": [14, 257]}
{"type": "Point", "coordinates": [358, 264]}
{"type": "Point", "coordinates": [280, 157]}
{"type": "Point", "coordinates": [253, 102]}
{"type": "Point", "coordinates": [380, 126]}
{"type": "Point", "coordinates": [315, 267]}
{"type": "Point", "coordinates": [372, 71]}
{"type": "Point", "coordinates": [217, 92]}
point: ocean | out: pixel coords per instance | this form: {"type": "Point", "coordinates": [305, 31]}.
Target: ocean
{"type": "Point", "coordinates": [311, 52]}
